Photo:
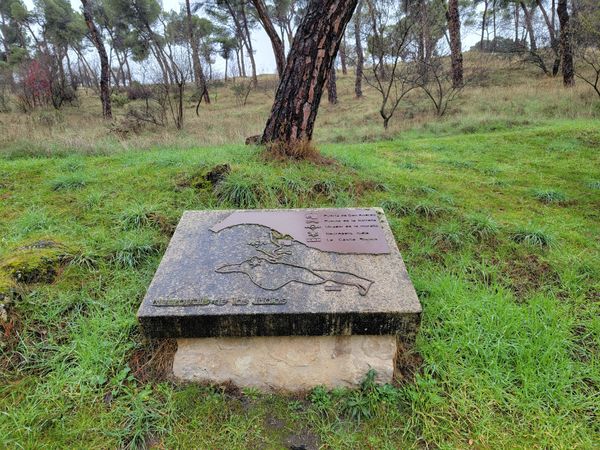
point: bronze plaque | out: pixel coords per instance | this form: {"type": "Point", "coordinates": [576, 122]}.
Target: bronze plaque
{"type": "Point", "coordinates": [330, 230]}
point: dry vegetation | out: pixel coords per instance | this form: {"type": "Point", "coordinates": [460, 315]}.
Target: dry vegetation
{"type": "Point", "coordinates": [506, 94]}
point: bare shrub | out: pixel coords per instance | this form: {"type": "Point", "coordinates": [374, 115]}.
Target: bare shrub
{"type": "Point", "coordinates": [438, 85]}
{"type": "Point", "coordinates": [241, 90]}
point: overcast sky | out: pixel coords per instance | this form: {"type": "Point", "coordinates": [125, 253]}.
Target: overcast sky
{"type": "Point", "coordinates": [265, 61]}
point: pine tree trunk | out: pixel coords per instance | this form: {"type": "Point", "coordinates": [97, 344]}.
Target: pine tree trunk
{"type": "Point", "coordinates": [310, 59]}
{"type": "Point", "coordinates": [276, 43]}
{"type": "Point", "coordinates": [332, 86]}
{"type": "Point", "coordinates": [198, 72]}
{"type": "Point", "coordinates": [565, 43]}
{"type": "Point", "coordinates": [453, 17]}
{"type": "Point", "coordinates": [360, 57]}
{"type": "Point", "coordinates": [104, 66]}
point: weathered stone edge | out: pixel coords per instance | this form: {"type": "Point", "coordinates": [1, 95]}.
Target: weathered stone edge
{"type": "Point", "coordinates": [404, 325]}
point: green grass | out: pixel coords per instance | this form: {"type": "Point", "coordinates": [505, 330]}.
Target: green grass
{"type": "Point", "coordinates": [510, 284]}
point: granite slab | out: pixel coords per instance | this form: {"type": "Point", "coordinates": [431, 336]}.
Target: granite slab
{"type": "Point", "coordinates": [242, 273]}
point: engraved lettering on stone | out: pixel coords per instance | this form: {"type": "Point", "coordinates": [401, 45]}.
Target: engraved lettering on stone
{"type": "Point", "coordinates": [330, 230]}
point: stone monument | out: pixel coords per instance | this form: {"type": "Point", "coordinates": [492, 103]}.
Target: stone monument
{"type": "Point", "coordinates": [282, 299]}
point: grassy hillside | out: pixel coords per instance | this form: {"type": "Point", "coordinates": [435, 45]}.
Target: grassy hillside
{"type": "Point", "coordinates": [498, 226]}
{"type": "Point", "coordinates": [504, 95]}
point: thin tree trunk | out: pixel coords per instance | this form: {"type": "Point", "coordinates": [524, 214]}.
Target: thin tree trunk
{"type": "Point", "coordinates": [565, 43]}
{"type": "Point", "coordinates": [243, 61]}
{"type": "Point", "coordinates": [129, 80]}
{"type": "Point", "coordinates": [453, 17]}
{"type": "Point", "coordinates": [529, 27]}
{"type": "Point", "coordinates": [196, 65]}
{"type": "Point", "coordinates": [249, 47]}
{"type": "Point", "coordinates": [332, 86]}
{"type": "Point", "coordinates": [104, 66]}
{"type": "Point", "coordinates": [311, 57]}
{"type": "Point", "coordinates": [360, 57]}
{"type": "Point", "coordinates": [69, 69]}
{"type": "Point", "coordinates": [239, 65]}
{"type": "Point", "coordinates": [554, 44]}
{"type": "Point", "coordinates": [516, 23]}
{"type": "Point", "coordinates": [276, 43]}
{"type": "Point", "coordinates": [483, 21]}
{"type": "Point", "coordinates": [494, 24]}
{"type": "Point", "coordinates": [343, 56]}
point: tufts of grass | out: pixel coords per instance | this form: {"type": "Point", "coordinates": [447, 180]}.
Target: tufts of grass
{"type": "Point", "coordinates": [450, 234]}
{"type": "Point", "coordinates": [137, 216]}
{"type": "Point", "coordinates": [460, 164]}
{"type": "Point", "coordinates": [535, 238]}
{"type": "Point", "coordinates": [68, 183]}
{"type": "Point", "coordinates": [424, 189]}
{"type": "Point", "coordinates": [33, 219]}
{"type": "Point", "coordinates": [482, 227]}
{"type": "Point", "coordinates": [429, 210]}
{"type": "Point", "coordinates": [85, 259]}
{"type": "Point", "coordinates": [396, 208]}
{"type": "Point", "coordinates": [550, 196]}
{"type": "Point", "coordinates": [133, 250]}
{"type": "Point", "coordinates": [408, 166]}
{"type": "Point", "coordinates": [357, 405]}
{"type": "Point", "coordinates": [241, 191]}
{"type": "Point", "coordinates": [491, 171]}
{"type": "Point", "coordinates": [595, 184]}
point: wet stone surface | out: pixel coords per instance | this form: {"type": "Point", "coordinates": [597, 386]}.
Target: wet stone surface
{"type": "Point", "coordinates": [281, 273]}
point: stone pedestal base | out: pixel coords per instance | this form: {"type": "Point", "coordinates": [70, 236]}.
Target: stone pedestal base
{"type": "Point", "coordinates": [290, 363]}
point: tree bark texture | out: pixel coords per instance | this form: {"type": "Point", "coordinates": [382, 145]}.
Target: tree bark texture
{"type": "Point", "coordinates": [565, 43]}
{"type": "Point", "coordinates": [197, 67]}
{"type": "Point", "coordinates": [276, 43]}
{"type": "Point", "coordinates": [309, 62]}
{"type": "Point", "coordinates": [332, 87]}
{"type": "Point", "coordinates": [104, 65]}
{"type": "Point", "coordinates": [453, 17]}
{"type": "Point", "coordinates": [360, 57]}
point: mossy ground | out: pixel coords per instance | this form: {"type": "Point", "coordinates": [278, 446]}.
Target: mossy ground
{"type": "Point", "coordinates": [509, 348]}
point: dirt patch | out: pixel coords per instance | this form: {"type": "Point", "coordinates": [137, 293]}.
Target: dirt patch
{"type": "Point", "coordinates": [363, 186]}
{"type": "Point", "coordinates": [204, 178]}
{"type": "Point", "coordinates": [153, 362]}
{"type": "Point", "coordinates": [303, 440]}
{"type": "Point", "coordinates": [408, 364]}
{"type": "Point", "coordinates": [164, 224]}
{"type": "Point", "coordinates": [527, 273]}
